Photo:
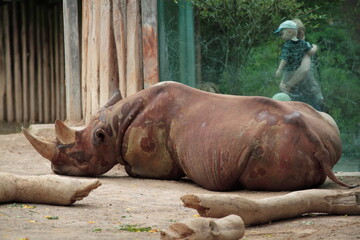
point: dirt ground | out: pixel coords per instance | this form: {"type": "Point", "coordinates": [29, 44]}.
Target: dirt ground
{"type": "Point", "coordinates": [124, 202]}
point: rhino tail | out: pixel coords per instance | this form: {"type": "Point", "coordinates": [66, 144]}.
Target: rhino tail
{"type": "Point", "coordinates": [332, 176]}
{"type": "Point", "coordinates": [325, 163]}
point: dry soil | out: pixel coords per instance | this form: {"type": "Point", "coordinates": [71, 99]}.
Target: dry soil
{"type": "Point", "coordinates": [123, 202]}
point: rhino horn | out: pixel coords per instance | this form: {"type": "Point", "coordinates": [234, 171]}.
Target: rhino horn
{"type": "Point", "coordinates": [64, 134]}
{"type": "Point", "coordinates": [47, 149]}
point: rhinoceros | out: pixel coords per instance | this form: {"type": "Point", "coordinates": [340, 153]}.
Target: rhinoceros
{"type": "Point", "coordinates": [220, 142]}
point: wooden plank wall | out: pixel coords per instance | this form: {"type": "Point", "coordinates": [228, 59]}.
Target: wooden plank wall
{"type": "Point", "coordinates": [72, 60]}
{"type": "Point", "coordinates": [31, 61]}
{"type": "Point", "coordinates": [119, 49]}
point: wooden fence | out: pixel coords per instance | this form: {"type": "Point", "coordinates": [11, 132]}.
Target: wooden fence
{"type": "Point", "coordinates": [119, 49]}
{"type": "Point", "coordinates": [32, 86]}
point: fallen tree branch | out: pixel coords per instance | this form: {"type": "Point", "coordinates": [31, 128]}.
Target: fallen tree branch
{"type": "Point", "coordinates": [228, 228]}
{"type": "Point", "coordinates": [337, 202]}
{"type": "Point", "coordinates": [47, 189]}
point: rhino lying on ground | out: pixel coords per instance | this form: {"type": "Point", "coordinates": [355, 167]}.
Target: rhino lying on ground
{"type": "Point", "coordinates": [220, 142]}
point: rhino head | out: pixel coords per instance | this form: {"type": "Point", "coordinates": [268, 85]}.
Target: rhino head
{"type": "Point", "coordinates": [86, 152]}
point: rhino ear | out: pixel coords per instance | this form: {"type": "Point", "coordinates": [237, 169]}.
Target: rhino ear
{"type": "Point", "coordinates": [100, 136]}
{"type": "Point", "coordinates": [116, 97]}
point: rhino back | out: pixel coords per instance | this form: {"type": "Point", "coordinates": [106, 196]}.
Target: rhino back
{"type": "Point", "coordinates": [224, 142]}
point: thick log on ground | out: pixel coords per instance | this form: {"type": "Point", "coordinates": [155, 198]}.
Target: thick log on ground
{"type": "Point", "coordinates": [337, 202]}
{"type": "Point", "coordinates": [47, 189]}
{"type": "Point", "coordinates": [228, 228]}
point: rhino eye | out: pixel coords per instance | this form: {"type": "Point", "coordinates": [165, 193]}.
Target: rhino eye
{"type": "Point", "coordinates": [100, 136]}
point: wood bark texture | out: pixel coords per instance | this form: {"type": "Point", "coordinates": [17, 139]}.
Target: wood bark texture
{"type": "Point", "coordinates": [72, 61]}
{"type": "Point", "coordinates": [47, 189]}
{"type": "Point", "coordinates": [338, 202]}
{"type": "Point", "coordinates": [228, 228]}
{"type": "Point", "coordinates": [119, 50]}
{"type": "Point", "coordinates": [31, 46]}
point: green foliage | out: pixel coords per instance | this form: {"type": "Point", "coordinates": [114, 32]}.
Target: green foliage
{"type": "Point", "coordinates": [134, 228]}
{"type": "Point", "coordinates": [256, 77]}
{"type": "Point", "coordinates": [229, 30]}
{"type": "Point", "coordinates": [240, 53]}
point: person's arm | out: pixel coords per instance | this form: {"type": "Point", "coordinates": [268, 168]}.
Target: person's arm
{"type": "Point", "coordinates": [280, 68]}
{"type": "Point", "coordinates": [301, 73]}
{"type": "Point", "coordinates": [313, 50]}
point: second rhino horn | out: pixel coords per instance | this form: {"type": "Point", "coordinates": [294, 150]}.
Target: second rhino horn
{"type": "Point", "coordinates": [64, 134]}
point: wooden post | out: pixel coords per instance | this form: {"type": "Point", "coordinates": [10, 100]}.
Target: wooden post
{"type": "Point", "coordinates": [119, 25]}
{"type": "Point", "coordinates": [93, 67]}
{"type": "Point", "coordinates": [109, 78]}
{"type": "Point", "coordinates": [104, 45]}
{"type": "Point", "coordinates": [57, 62]}
{"type": "Point", "coordinates": [134, 76]}
{"type": "Point", "coordinates": [112, 50]}
{"type": "Point", "coordinates": [32, 86]}
{"type": "Point", "coordinates": [150, 42]}
{"type": "Point", "coordinates": [25, 78]}
{"type": "Point", "coordinates": [84, 56]}
{"type": "Point", "coordinates": [38, 14]}
{"type": "Point", "coordinates": [17, 69]}
{"type": "Point", "coordinates": [62, 64]}
{"type": "Point", "coordinates": [2, 70]}
{"type": "Point", "coordinates": [45, 64]}
{"type": "Point", "coordinates": [51, 64]}
{"type": "Point", "coordinates": [72, 60]}
{"type": "Point", "coordinates": [9, 85]}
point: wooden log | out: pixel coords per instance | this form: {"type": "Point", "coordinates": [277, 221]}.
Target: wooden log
{"type": "Point", "coordinates": [119, 26]}
{"type": "Point", "coordinates": [32, 84]}
{"type": "Point", "coordinates": [228, 228]}
{"type": "Point", "coordinates": [47, 189]}
{"type": "Point", "coordinates": [109, 77]}
{"type": "Point", "coordinates": [134, 76]}
{"type": "Point", "coordinates": [2, 71]}
{"type": "Point", "coordinates": [10, 116]}
{"type": "Point", "coordinates": [39, 64]}
{"type": "Point", "coordinates": [17, 66]}
{"type": "Point", "coordinates": [72, 60]}
{"type": "Point", "coordinates": [339, 202]}
{"type": "Point", "coordinates": [25, 77]}
{"type": "Point", "coordinates": [150, 42]}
